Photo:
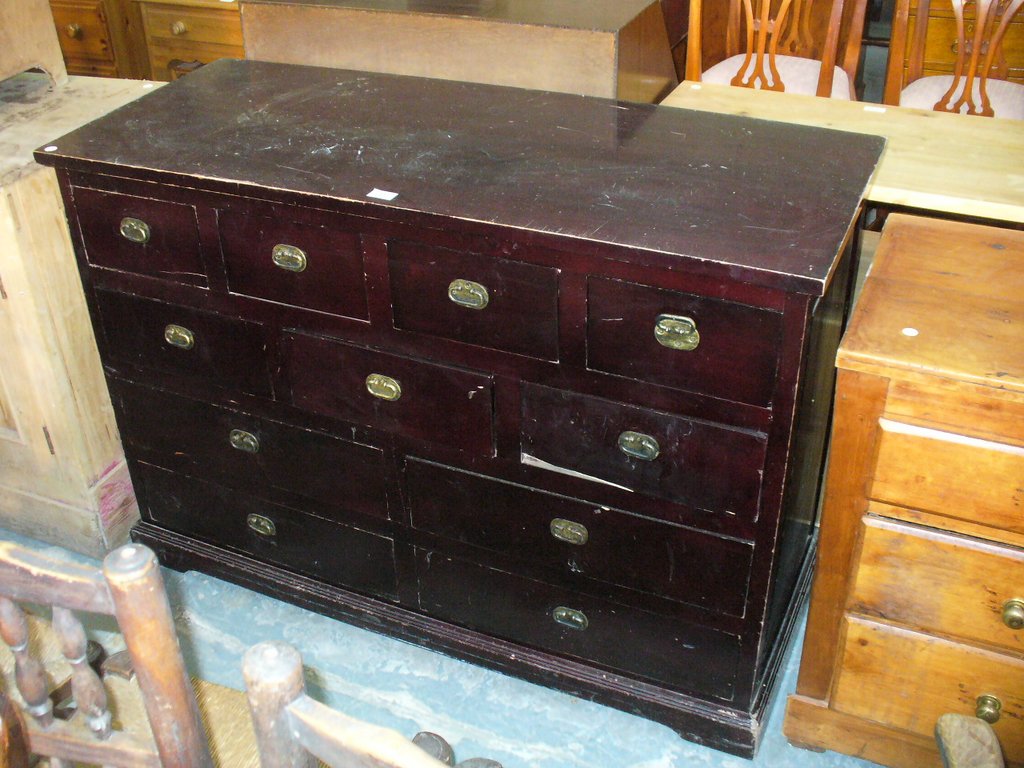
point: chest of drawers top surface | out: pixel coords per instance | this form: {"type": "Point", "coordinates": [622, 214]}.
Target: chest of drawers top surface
{"type": "Point", "coordinates": [746, 200]}
{"type": "Point", "coordinates": [949, 307]}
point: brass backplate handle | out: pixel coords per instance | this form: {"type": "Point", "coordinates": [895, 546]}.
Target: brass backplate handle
{"type": "Point", "coordinates": [288, 257]}
{"type": "Point", "coordinates": [262, 525]}
{"type": "Point", "coordinates": [637, 445]}
{"type": "Point", "coordinates": [466, 293]}
{"type": "Point", "coordinates": [570, 617]}
{"type": "Point", "coordinates": [569, 531]}
{"type": "Point", "coordinates": [135, 230]}
{"type": "Point", "coordinates": [244, 441]}
{"type": "Point", "coordinates": [676, 332]}
{"type": "Point", "coordinates": [1013, 613]}
{"type": "Point", "coordinates": [384, 387]}
{"type": "Point", "coordinates": [988, 708]}
{"type": "Point", "coordinates": [179, 336]}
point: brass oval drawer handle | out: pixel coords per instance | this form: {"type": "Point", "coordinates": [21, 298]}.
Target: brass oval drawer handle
{"type": "Point", "coordinates": [384, 387]}
{"type": "Point", "coordinates": [569, 531]}
{"type": "Point", "coordinates": [74, 31]}
{"type": "Point", "coordinates": [289, 257]}
{"type": "Point", "coordinates": [637, 445]}
{"type": "Point", "coordinates": [244, 441]}
{"type": "Point", "coordinates": [1013, 613]}
{"type": "Point", "coordinates": [179, 336]}
{"type": "Point", "coordinates": [988, 708]}
{"type": "Point", "coordinates": [179, 28]}
{"type": "Point", "coordinates": [262, 525]}
{"type": "Point", "coordinates": [135, 230]}
{"type": "Point", "coordinates": [676, 332]}
{"type": "Point", "coordinates": [570, 618]}
{"type": "Point", "coordinates": [466, 293]}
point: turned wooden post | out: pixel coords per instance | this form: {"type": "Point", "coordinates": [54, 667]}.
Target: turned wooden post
{"type": "Point", "coordinates": [142, 611]}
{"type": "Point", "coordinates": [273, 680]}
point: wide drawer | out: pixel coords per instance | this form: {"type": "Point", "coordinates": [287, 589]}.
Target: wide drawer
{"type": "Point", "coordinates": [181, 340]}
{"type": "Point", "coordinates": [489, 302]}
{"type": "Point", "coordinates": [412, 398]}
{"type": "Point", "coordinates": [906, 680]}
{"type": "Point", "coordinates": [545, 535]}
{"type": "Point", "coordinates": [82, 30]}
{"type": "Point", "coordinates": [338, 554]}
{"type": "Point", "coordinates": [670, 652]}
{"type": "Point", "coordinates": [950, 474]}
{"type": "Point", "coordinates": [303, 265]}
{"type": "Point", "coordinates": [681, 340]}
{"type": "Point", "coordinates": [702, 465]}
{"type": "Point", "coordinates": [250, 453]}
{"type": "Point", "coordinates": [141, 235]}
{"type": "Point", "coordinates": [943, 583]}
{"type": "Point", "coordinates": [188, 25]}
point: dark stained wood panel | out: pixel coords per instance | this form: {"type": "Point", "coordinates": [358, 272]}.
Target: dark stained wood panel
{"type": "Point", "coordinates": [753, 200]}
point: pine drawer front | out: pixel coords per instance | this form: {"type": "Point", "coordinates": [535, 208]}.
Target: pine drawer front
{"type": "Point", "coordinates": [302, 265]}
{"type": "Point", "coordinates": [416, 399]}
{"type": "Point", "coordinates": [84, 37]}
{"type": "Point", "coordinates": [684, 341]}
{"type": "Point", "coordinates": [545, 535]}
{"type": "Point", "coordinates": [699, 464]}
{"type": "Point", "coordinates": [190, 34]}
{"type": "Point", "coordinates": [141, 235]}
{"type": "Point", "coordinates": [250, 453]}
{"type": "Point", "coordinates": [490, 302]}
{"type": "Point", "coordinates": [933, 676]}
{"type": "Point", "coordinates": [339, 554]}
{"type": "Point", "coordinates": [943, 583]}
{"type": "Point", "coordinates": [578, 626]}
{"type": "Point", "coordinates": [168, 338]}
{"type": "Point", "coordinates": [954, 475]}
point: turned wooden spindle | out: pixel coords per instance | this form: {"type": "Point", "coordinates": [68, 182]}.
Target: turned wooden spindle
{"type": "Point", "coordinates": [86, 686]}
{"type": "Point", "coordinates": [28, 672]}
{"type": "Point", "coordinates": [273, 678]}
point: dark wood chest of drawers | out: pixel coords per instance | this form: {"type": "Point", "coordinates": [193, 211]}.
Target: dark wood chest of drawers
{"type": "Point", "coordinates": [538, 380]}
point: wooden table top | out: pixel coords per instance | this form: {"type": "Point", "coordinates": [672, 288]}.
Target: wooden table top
{"type": "Point", "coordinates": [933, 161]}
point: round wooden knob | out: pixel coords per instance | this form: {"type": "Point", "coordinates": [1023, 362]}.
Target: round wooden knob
{"type": "Point", "coordinates": [1013, 613]}
{"type": "Point", "coordinates": [179, 28]}
{"type": "Point", "coordinates": [74, 31]}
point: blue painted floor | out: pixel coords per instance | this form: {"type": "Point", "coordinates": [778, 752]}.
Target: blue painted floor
{"type": "Point", "coordinates": [480, 712]}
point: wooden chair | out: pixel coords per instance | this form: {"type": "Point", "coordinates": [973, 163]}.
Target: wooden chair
{"type": "Point", "coordinates": [967, 742]}
{"type": "Point", "coordinates": [130, 588]}
{"type": "Point", "coordinates": [293, 730]}
{"type": "Point", "coordinates": [770, 45]}
{"type": "Point", "coordinates": [977, 85]}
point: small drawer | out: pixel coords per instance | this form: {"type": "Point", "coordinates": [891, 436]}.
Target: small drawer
{"type": "Point", "coordinates": [947, 473]}
{"type": "Point", "coordinates": [338, 554]}
{"type": "Point", "coordinates": [467, 297]}
{"type": "Point", "coordinates": [680, 340]}
{"type": "Point", "coordinates": [702, 465]}
{"type": "Point", "coordinates": [547, 534]}
{"type": "Point", "coordinates": [411, 398]}
{"type": "Point", "coordinates": [248, 452]}
{"type": "Point", "coordinates": [668, 651]}
{"type": "Point", "coordinates": [82, 30]}
{"type": "Point", "coordinates": [194, 25]}
{"type": "Point", "coordinates": [303, 265]}
{"type": "Point", "coordinates": [906, 680]}
{"type": "Point", "coordinates": [140, 235]}
{"type": "Point", "coordinates": [943, 583]}
{"type": "Point", "coordinates": [180, 340]}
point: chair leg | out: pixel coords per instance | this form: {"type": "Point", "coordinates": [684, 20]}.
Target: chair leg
{"type": "Point", "coordinates": [273, 679]}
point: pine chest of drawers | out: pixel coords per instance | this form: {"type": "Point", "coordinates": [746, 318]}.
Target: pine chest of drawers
{"type": "Point", "coordinates": [920, 611]}
{"type": "Point", "coordinates": [535, 379]}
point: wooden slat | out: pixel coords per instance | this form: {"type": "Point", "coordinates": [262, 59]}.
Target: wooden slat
{"type": "Point", "coordinates": [29, 576]}
{"type": "Point", "coordinates": [70, 742]}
